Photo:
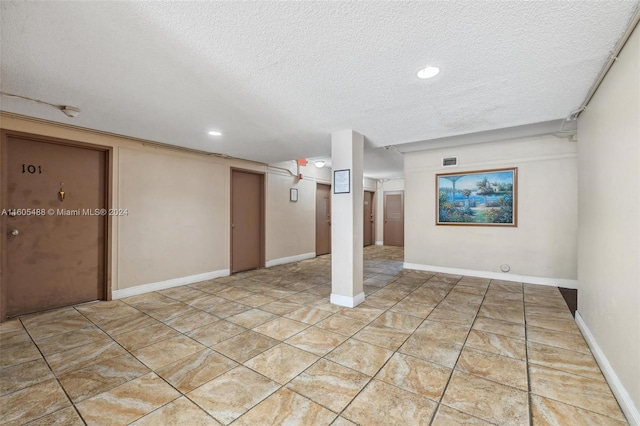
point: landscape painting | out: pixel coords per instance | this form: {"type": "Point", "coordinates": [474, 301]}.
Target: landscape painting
{"type": "Point", "coordinates": [484, 198]}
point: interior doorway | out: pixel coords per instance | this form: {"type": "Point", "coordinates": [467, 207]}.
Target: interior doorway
{"type": "Point", "coordinates": [394, 218]}
{"type": "Point", "coordinates": [368, 219]}
{"type": "Point", "coordinates": [323, 219]}
{"type": "Point", "coordinates": [54, 222]}
{"type": "Point", "coordinates": [247, 220]}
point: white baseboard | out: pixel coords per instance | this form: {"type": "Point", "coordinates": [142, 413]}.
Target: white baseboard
{"type": "Point", "coordinates": [555, 282]}
{"type": "Point", "coordinates": [163, 285]}
{"type": "Point", "coordinates": [618, 389]}
{"type": "Point", "coordinates": [349, 302]}
{"type": "Point", "coordinates": [379, 243]}
{"type": "Point", "coordinates": [290, 259]}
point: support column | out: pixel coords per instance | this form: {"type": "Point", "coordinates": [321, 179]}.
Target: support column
{"type": "Point", "coordinates": [347, 153]}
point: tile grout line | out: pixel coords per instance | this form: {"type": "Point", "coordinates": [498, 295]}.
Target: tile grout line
{"type": "Point", "coordinates": [372, 377]}
{"type": "Point", "coordinates": [55, 376]}
{"type": "Point", "coordinates": [396, 351]}
{"type": "Point", "coordinates": [453, 369]}
{"type": "Point", "coordinates": [368, 324]}
{"type": "Point", "coordinates": [526, 353]}
{"type": "Point", "coordinates": [110, 337]}
{"type": "Point", "coordinates": [150, 369]}
{"type": "Point", "coordinates": [281, 386]}
{"type": "Point", "coordinates": [181, 394]}
{"type": "Point", "coordinates": [127, 351]}
{"type": "Point", "coordinates": [555, 369]}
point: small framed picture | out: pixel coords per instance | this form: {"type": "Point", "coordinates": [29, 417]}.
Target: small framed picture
{"type": "Point", "coordinates": [293, 194]}
{"type": "Point", "coordinates": [342, 181]}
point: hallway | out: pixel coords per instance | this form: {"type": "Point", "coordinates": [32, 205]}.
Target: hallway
{"type": "Point", "coordinates": [266, 346]}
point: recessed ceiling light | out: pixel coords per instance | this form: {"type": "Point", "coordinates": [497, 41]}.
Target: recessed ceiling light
{"type": "Point", "coordinates": [215, 133]}
{"type": "Point", "coordinates": [428, 72]}
{"type": "Point", "coordinates": [319, 164]}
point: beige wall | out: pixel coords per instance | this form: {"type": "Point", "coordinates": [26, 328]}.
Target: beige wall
{"type": "Point", "coordinates": [178, 211]}
{"type": "Point", "coordinates": [609, 238]}
{"type": "Point", "coordinates": [291, 226]}
{"type": "Point", "coordinates": [544, 242]}
{"type": "Point", "coordinates": [179, 207]}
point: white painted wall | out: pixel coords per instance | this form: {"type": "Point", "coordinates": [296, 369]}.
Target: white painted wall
{"type": "Point", "coordinates": [544, 242]}
{"type": "Point", "coordinates": [609, 237]}
{"type": "Point", "coordinates": [347, 153]}
{"type": "Point", "coordinates": [369, 184]}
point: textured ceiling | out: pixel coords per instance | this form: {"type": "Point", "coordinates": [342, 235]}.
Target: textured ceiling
{"type": "Point", "coordinates": [278, 77]}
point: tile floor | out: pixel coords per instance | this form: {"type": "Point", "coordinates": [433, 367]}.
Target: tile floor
{"type": "Point", "coordinates": [265, 347]}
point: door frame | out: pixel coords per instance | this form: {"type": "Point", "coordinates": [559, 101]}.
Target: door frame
{"type": "Point", "coordinates": [384, 212]}
{"type": "Point", "coordinates": [374, 214]}
{"type": "Point", "coordinates": [262, 215]}
{"type": "Point", "coordinates": [108, 195]}
{"type": "Point", "coordinates": [328, 185]}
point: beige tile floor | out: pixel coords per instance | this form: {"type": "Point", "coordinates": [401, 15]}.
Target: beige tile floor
{"type": "Point", "coordinates": [265, 347]}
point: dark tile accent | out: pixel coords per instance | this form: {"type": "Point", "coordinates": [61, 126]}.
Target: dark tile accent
{"type": "Point", "coordinates": [571, 297]}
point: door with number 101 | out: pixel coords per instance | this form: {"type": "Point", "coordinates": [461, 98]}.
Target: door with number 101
{"type": "Point", "coordinates": [54, 254]}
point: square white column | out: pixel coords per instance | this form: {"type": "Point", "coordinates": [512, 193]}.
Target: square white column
{"type": "Point", "coordinates": [347, 153]}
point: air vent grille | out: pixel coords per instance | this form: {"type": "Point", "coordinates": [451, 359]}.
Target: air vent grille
{"type": "Point", "coordinates": [449, 161]}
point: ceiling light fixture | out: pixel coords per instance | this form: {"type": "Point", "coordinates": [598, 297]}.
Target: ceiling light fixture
{"type": "Point", "coordinates": [215, 133]}
{"type": "Point", "coordinates": [319, 164]}
{"type": "Point", "coordinates": [428, 72]}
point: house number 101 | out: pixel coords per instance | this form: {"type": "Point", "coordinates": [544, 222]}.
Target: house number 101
{"type": "Point", "coordinates": [30, 168]}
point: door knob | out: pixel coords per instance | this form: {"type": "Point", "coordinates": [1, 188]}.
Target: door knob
{"type": "Point", "coordinates": [14, 232]}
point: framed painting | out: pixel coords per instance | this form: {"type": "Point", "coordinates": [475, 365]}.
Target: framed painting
{"type": "Point", "coordinates": [479, 198]}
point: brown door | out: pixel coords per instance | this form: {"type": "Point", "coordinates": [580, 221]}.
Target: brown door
{"type": "Point", "coordinates": [394, 218]}
{"type": "Point", "coordinates": [323, 219]}
{"type": "Point", "coordinates": [368, 219]}
{"type": "Point", "coordinates": [55, 247]}
{"type": "Point", "coordinates": [247, 220]}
